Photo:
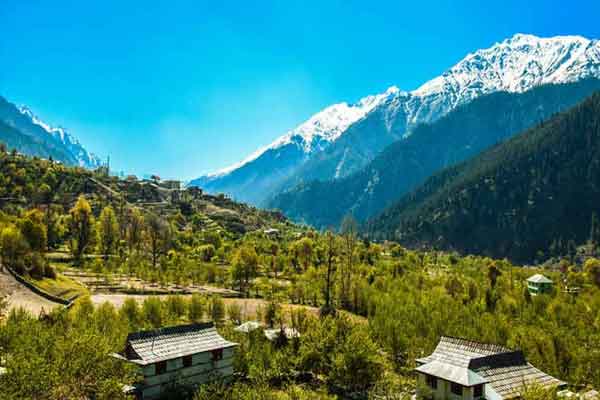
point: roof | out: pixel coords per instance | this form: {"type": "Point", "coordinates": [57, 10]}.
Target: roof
{"type": "Point", "coordinates": [538, 278]}
{"type": "Point", "coordinates": [248, 327]}
{"type": "Point", "coordinates": [508, 381]}
{"type": "Point", "coordinates": [461, 375]}
{"type": "Point", "coordinates": [460, 352]}
{"type": "Point", "coordinates": [471, 363]}
{"type": "Point", "coordinates": [149, 347]}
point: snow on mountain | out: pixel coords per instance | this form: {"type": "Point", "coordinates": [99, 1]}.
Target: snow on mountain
{"type": "Point", "coordinates": [72, 145]}
{"type": "Point", "coordinates": [517, 64]}
{"type": "Point", "coordinates": [320, 129]}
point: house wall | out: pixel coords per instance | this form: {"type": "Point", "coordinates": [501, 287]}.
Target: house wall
{"type": "Point", "coordinates": [203, 370]}
{"type": "Point", "coordinates": [490, 393]}
{"type": "Point", "coordinates": [443, 391]}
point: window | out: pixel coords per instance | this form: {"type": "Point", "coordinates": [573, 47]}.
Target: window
{"type": "Point", "coordinates": [456, 389]}
{"type": "Point", "coordinates": [431, 381]}
{"type": "Point", "coordinates": [478, 391]}
{"type": "Point", "coordinates": [160, 367]}
{"type": "Point", "coordinates": [217, 354]}
{"type": "Point", "coordinates": [187, 361]}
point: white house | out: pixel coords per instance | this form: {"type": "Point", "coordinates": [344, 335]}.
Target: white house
{"type": "Point", "coordinates": [467, 370]}
{"type": "Point", "coordinates": [538, 284]}
{"type": "Point", "coordinates": [179, 356]}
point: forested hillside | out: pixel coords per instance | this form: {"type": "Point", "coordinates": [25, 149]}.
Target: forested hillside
{"type": "Point", "coordinates": [530, 197]}
{"type": "Point", "coordinates": [405, 164]}
{"type": "Point", "coordinates": [364, 311]}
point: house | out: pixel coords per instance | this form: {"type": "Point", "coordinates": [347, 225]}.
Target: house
{"type": "Point", "coordinates": [538, 284]}
{"type": "Point", "coordinates": [179, 356]}
{"type": "Point", "coordinates": [271, 232]}
{"type": "Point", "coordinates": [463, 369]}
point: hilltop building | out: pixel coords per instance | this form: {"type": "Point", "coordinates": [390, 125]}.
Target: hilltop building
{"type": "Point", "coordinates": [179, 356]}
{"type": "Point", "coordinates": [467, 370]}
{"type": "Point", "coordinates": [539, 284]}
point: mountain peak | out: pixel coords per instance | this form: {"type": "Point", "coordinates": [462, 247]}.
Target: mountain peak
{"type": "Point", "coordinates": [73, 145]}
{"type": "Point", "coordinates": [516, 64]}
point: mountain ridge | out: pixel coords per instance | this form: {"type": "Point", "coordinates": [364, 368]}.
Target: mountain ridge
{"type": "Point", "coordinates": [537, 191]}
{"type": "Point", "coordinates": [404, 164]}
{"type": "Point", "coordinates": [515, 64]}
{"type": "Point", "coordinates": [39, 138]}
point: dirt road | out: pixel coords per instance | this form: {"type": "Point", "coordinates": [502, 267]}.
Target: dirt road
{"type": "Point", "coordinates": [20, 296]}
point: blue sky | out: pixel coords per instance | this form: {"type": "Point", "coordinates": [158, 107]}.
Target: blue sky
{"type": "Point", "coordinates": [183, 87]}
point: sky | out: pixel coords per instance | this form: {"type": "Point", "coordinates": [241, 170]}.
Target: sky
{"type": "Point", "coordinates": [184, 87]}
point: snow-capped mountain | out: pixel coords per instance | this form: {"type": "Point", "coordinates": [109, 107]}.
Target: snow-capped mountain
{"type": "Point", "coordinates": [514, 65]}
{"type": "Point", "coordinates": [22, 130]}
{"type": "Point", "coordinates": [342, 139]}
{"type": "Point", "coordinates": [82, 156]}
{"type": "Point", "coordinates": [319, 130]}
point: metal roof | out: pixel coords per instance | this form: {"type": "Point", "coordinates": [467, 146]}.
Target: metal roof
{"type": "Point", "coordinates": [538, 278]}
{"type": "Point", "coordinates": [460, 352]}
{"type": "Point", "coordinates": [509, 381]}
{"type": "Point", "coordinates": [452, 373]}
{"type": "Point", "coordinates": [470, 363]}
{"type": "Point", "coordinates": [149, 347]}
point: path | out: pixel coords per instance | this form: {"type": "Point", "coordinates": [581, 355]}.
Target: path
{"type": "Point", "coordinates": [21, 296]}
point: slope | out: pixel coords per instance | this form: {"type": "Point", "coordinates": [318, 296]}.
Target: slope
{"type": "Point", "coordinates": [405, 164]}
{"type": "Point", "coordinates": [519, 199]}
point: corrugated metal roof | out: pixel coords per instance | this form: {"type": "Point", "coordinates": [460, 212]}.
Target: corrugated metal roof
{"type": "Point", "coordinates": [149, 347]}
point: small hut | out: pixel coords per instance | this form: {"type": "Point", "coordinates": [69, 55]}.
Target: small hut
{"type": "Point", "coordinates": [539, 284]}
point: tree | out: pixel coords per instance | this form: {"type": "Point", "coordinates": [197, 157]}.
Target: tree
{"type": "Point", "coordinates": [81, 227]}
{"type": "Point", "coordinates": [303, 249]}
{"type": "Point", "coordinates": [245, 265]}
{"type": "Point", "coordinates": [158, 232]}
{"type": "Point", "coordinates": [135, 229]}
{"type": "Point", "coordinates": [34, 230]}
{"type": "Point", "coordinates": [196, 308]}
{"type": "Point", "coordinates": [13, 247]}
{"type": "Point", "coordinates": [331, 254]}
{"type": "Point", "coordinates": [592, 269]}
{"type": "Point", "coordinates": [349, 230]}
{"type": "Point", "coordinates": [108, 228]}
{"type": "Point", "coordinates": [493, 273]}
{"type": "Point", "coordinates": [217, 309]}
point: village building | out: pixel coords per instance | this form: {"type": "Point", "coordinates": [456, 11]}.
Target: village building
{"type": "Point", "coordinates": [271, 232]}
{"type": "Point", "coordinates": [467, 370]}
{"type": "Point", "coordinates": [539, 284]}
{"type": "Point", "coordinates": [180, 356]}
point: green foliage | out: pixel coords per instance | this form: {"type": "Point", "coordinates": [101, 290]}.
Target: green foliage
{"type": "Point", "coordinates": [217, 309]}
{"type": "Point", "coordinates": [81, 227]}
{"type": "Point", "coordinates": [108, 229]}
{"type": "Point", "coordinates": [14, 247]}
{"type": "Point", "coordinates": [405, 164]}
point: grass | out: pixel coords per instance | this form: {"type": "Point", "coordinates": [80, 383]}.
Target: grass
{"type": "Point", "coordinates": [62, 286]}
